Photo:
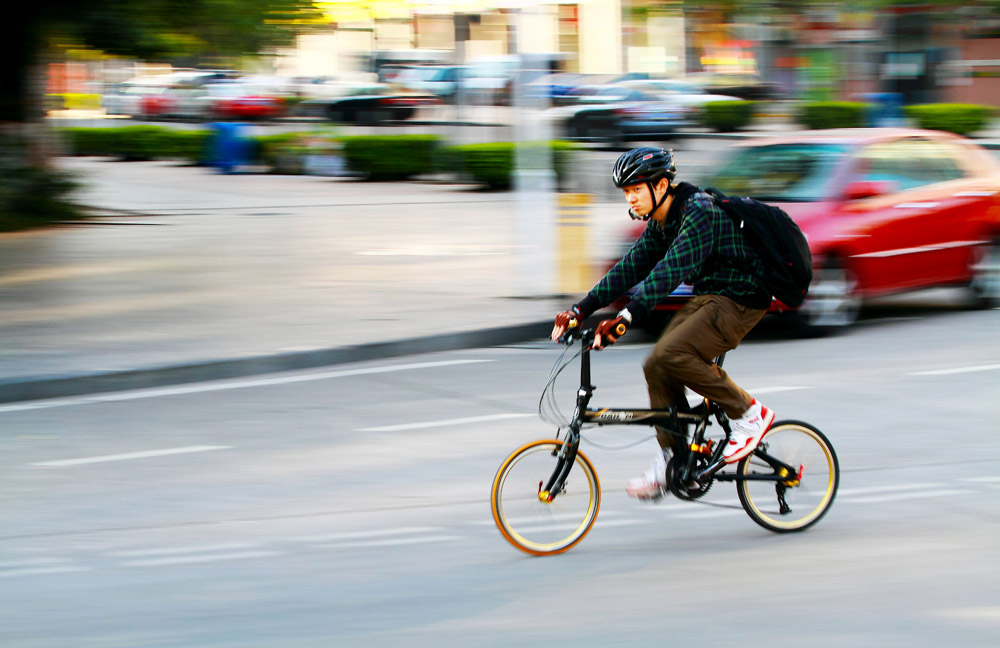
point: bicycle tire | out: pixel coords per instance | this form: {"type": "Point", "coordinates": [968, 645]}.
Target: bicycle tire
{"type": "Point", "coordinates": [522, 514]}
{"type": "Point", "coordinates": [808, 495]}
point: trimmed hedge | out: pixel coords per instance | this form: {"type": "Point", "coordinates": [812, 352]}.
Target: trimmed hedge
{"type": "Point", "coordinates": [139, 142]}
{"type": "Point", "coordinates": [387, 157]}
{"type": "Point", "coordinates": [728, 116]}
{"type": "Point", "coordinates": [954, 118]}
{"type": "Point", "coordinates": [833, 114]}
{"type": "Point", "coordinates": [32, 196]}
{"type": "Point", "coordinates": [492, 165]}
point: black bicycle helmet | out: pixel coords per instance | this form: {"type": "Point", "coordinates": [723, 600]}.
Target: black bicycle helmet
{"type": "Point", "coordinates": [648, 165]}
{"type": "Point", "coordinates": [644, 164]}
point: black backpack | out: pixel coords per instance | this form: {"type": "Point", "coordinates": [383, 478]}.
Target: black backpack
{"type": "Point", "coordinates": [778, 242]}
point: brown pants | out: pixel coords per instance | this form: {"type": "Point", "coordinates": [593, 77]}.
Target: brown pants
{"type": "Point", "coordinates": [705, 328]}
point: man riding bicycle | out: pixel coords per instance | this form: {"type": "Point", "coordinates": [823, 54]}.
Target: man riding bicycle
{"type": "Point", "coordinates": [689, 239]}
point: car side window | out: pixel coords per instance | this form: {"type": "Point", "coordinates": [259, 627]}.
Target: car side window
{"type": "Point", "coordinates": [908, 163]}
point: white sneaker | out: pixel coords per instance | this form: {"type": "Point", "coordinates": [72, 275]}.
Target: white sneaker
{"type": "Point", "coordinates": [747, 432]}
{"type": "Point", "coordinates": [653, 483]}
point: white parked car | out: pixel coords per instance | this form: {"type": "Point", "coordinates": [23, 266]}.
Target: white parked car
{"type": "Point", "coordinates": [682, 92]}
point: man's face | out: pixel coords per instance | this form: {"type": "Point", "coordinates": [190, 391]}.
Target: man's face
{"type": "Point", "coordinates": [639, 199]}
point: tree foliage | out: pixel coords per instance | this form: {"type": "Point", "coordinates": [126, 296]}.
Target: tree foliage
{"type": "Point", "coordinates": [175, 31]}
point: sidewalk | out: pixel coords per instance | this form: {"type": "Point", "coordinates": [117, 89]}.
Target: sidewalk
{"type": "Point", "coordinates": [192, 275]}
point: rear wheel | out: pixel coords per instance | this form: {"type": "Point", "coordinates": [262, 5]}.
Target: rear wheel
{"type": "Point", "coordinates": [528, 517]}
{"type": "Point", "coordinates": [800, 498]}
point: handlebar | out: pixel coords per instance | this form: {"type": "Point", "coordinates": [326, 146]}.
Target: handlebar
{"type": "Point", "coordinates": [575, 332]}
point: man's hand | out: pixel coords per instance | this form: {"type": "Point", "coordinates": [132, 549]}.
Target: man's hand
{"type": "Point", "coordinates": [565, 320]}
{"type": "Point", "coordinates": [608, 331]}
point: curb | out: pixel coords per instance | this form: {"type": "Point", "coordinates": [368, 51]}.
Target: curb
{"type": "Point", "coordinates": [79, 385]}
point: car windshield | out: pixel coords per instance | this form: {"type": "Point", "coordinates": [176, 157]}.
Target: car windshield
{"type": "Point", "coordinates": [780, 172]}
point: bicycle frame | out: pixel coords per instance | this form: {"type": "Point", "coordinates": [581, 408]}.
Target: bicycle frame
{"type": "Point", "coordinates": [668, 418]}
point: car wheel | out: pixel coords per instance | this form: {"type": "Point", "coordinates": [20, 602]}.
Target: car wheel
{"type": "Point", "coordinates": [984, 288]}
{"type": "Point", "coordinates": [833, 302]}
{"type": "Point", "coordinates": [579, 128]}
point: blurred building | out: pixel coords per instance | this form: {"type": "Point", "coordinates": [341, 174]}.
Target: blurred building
{"type": "Point", "coordinates": [919, 52]}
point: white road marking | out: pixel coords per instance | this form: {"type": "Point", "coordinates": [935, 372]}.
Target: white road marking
{"type": "Point", "coordinates": [41, 571]}
{"type": "Point", "coordinates": [899, 497]}
{"type": "Point", "coordinates": [443, 422]}
{"type": "Point", "coordinates": [391, 542]}
{"type": "Point", "coordinates": [222, 385]}
{"type": "Point", "coordinates": [957, 370]}
{"type": "Point", "coordinates": [774, 390]}
{"type": "Point", "coordinates": [713, 512]}
{"type": "Point", "coordinates": [354, 535]}
{"type": "Point", "coordinates": [168, 551]}
{"type": "Point", "coordinates": [915, 486]}
{"type": "Point", "coordinates": [200, 558]}
{"type": "Point", "coordinates": [980, 479]}
{"type": "Point", "coordinates": [32, 562]}
{"type": "Point", "coordinates": [127, 456]}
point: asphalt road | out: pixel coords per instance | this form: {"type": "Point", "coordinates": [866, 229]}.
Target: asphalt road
{"type": "Point", "coordinates": [349, 506]}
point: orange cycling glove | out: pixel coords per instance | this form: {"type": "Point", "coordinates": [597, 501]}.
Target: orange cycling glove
{"type": "Point", "coordinates": [563, 320]}
{"type": "Point", "coordinates": [608, 331]}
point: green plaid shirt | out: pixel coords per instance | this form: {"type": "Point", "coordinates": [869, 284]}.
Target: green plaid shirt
{"type": "Point", "coordinates": [698, 244]}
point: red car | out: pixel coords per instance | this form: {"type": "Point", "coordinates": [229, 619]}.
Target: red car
{"type": "Point", "coordinates": [885, 211]}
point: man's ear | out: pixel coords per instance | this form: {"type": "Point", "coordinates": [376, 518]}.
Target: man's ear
{"type": "Point", "coordinates": [663, 184]}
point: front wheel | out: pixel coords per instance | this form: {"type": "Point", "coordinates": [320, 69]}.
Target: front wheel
{"type": "Point", "coordinates": [832, 302]}
{"type": "Point", "coordinates": [984, 287]}
{"type": "Point", "coordinates": [537, 522]}
{"type": "Point", "coordinates": [784, 500]}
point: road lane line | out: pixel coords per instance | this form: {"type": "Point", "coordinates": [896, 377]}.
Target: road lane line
{"type": "Point", "coordinates": [774, 390]}
{"type": "Point", "coordinates": [354, 535]}
{"type": "Point", "coordinates": [200, 558]}
{"type": "Point", "coordinates": [168, 551]}
{"type": "Point", "coordinates": [915, 486]}
{"type": "Point", "coordinates": [391, 542]}
{"type": "Point", "coordinates": [956, 370]}
{"type": "Point", "coordinates": [899, 497]}
{"type": "Point", "coordinates": [42, 571]}
{"type": "Point", "coordinates": [127, 456]}
{"type": "Point", "coordinates": [222, 385]}
{"type": "Point", "coordinates": [444, 422]}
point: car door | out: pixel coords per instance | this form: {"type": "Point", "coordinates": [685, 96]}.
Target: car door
{"type": "Point", "coordinates": [899, 235]}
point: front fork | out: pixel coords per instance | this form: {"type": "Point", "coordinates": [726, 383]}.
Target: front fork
{"type": "Point", "coordinates": [565, 457]}
{"type": "Point", "coordinates": [566, 454]}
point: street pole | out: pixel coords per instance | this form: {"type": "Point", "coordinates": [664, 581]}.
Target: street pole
{"type": "Point", "coordinates": [534, 182]}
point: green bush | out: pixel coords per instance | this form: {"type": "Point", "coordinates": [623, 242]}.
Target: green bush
{"type": "Point", "coordinates": [139, 142]}
{"type": "Point", "coordinates": [954, 118]}
{"type": "Point", "coordinates": [727, 116]}
{"type": "Point", "coordinates": [31, 196]}
{"type": "Point", "coordinates": [492, 165]}
{"type": "Point", "coordinates": [833, 114]}
{"type": "Point", "coordinates": [381, 157]}
{"type": "Point", "coordinates": [270, 149]}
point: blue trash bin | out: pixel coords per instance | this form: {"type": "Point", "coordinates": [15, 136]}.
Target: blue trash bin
{"type": "Point", "coordinates": [884, 108]}
{"type": "Point", "coordinates": [229, 147]}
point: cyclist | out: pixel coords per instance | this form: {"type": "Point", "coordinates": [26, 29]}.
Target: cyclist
{"type": "Point", "coordinates": [687, 239]}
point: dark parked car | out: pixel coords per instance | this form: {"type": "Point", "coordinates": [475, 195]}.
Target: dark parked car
{"type": "Point", "coordinates": [885, 211]}
{"type": "Point", "coordinates": [619, 113]}
{"type": "Point", "coordinates": [367, 104]}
